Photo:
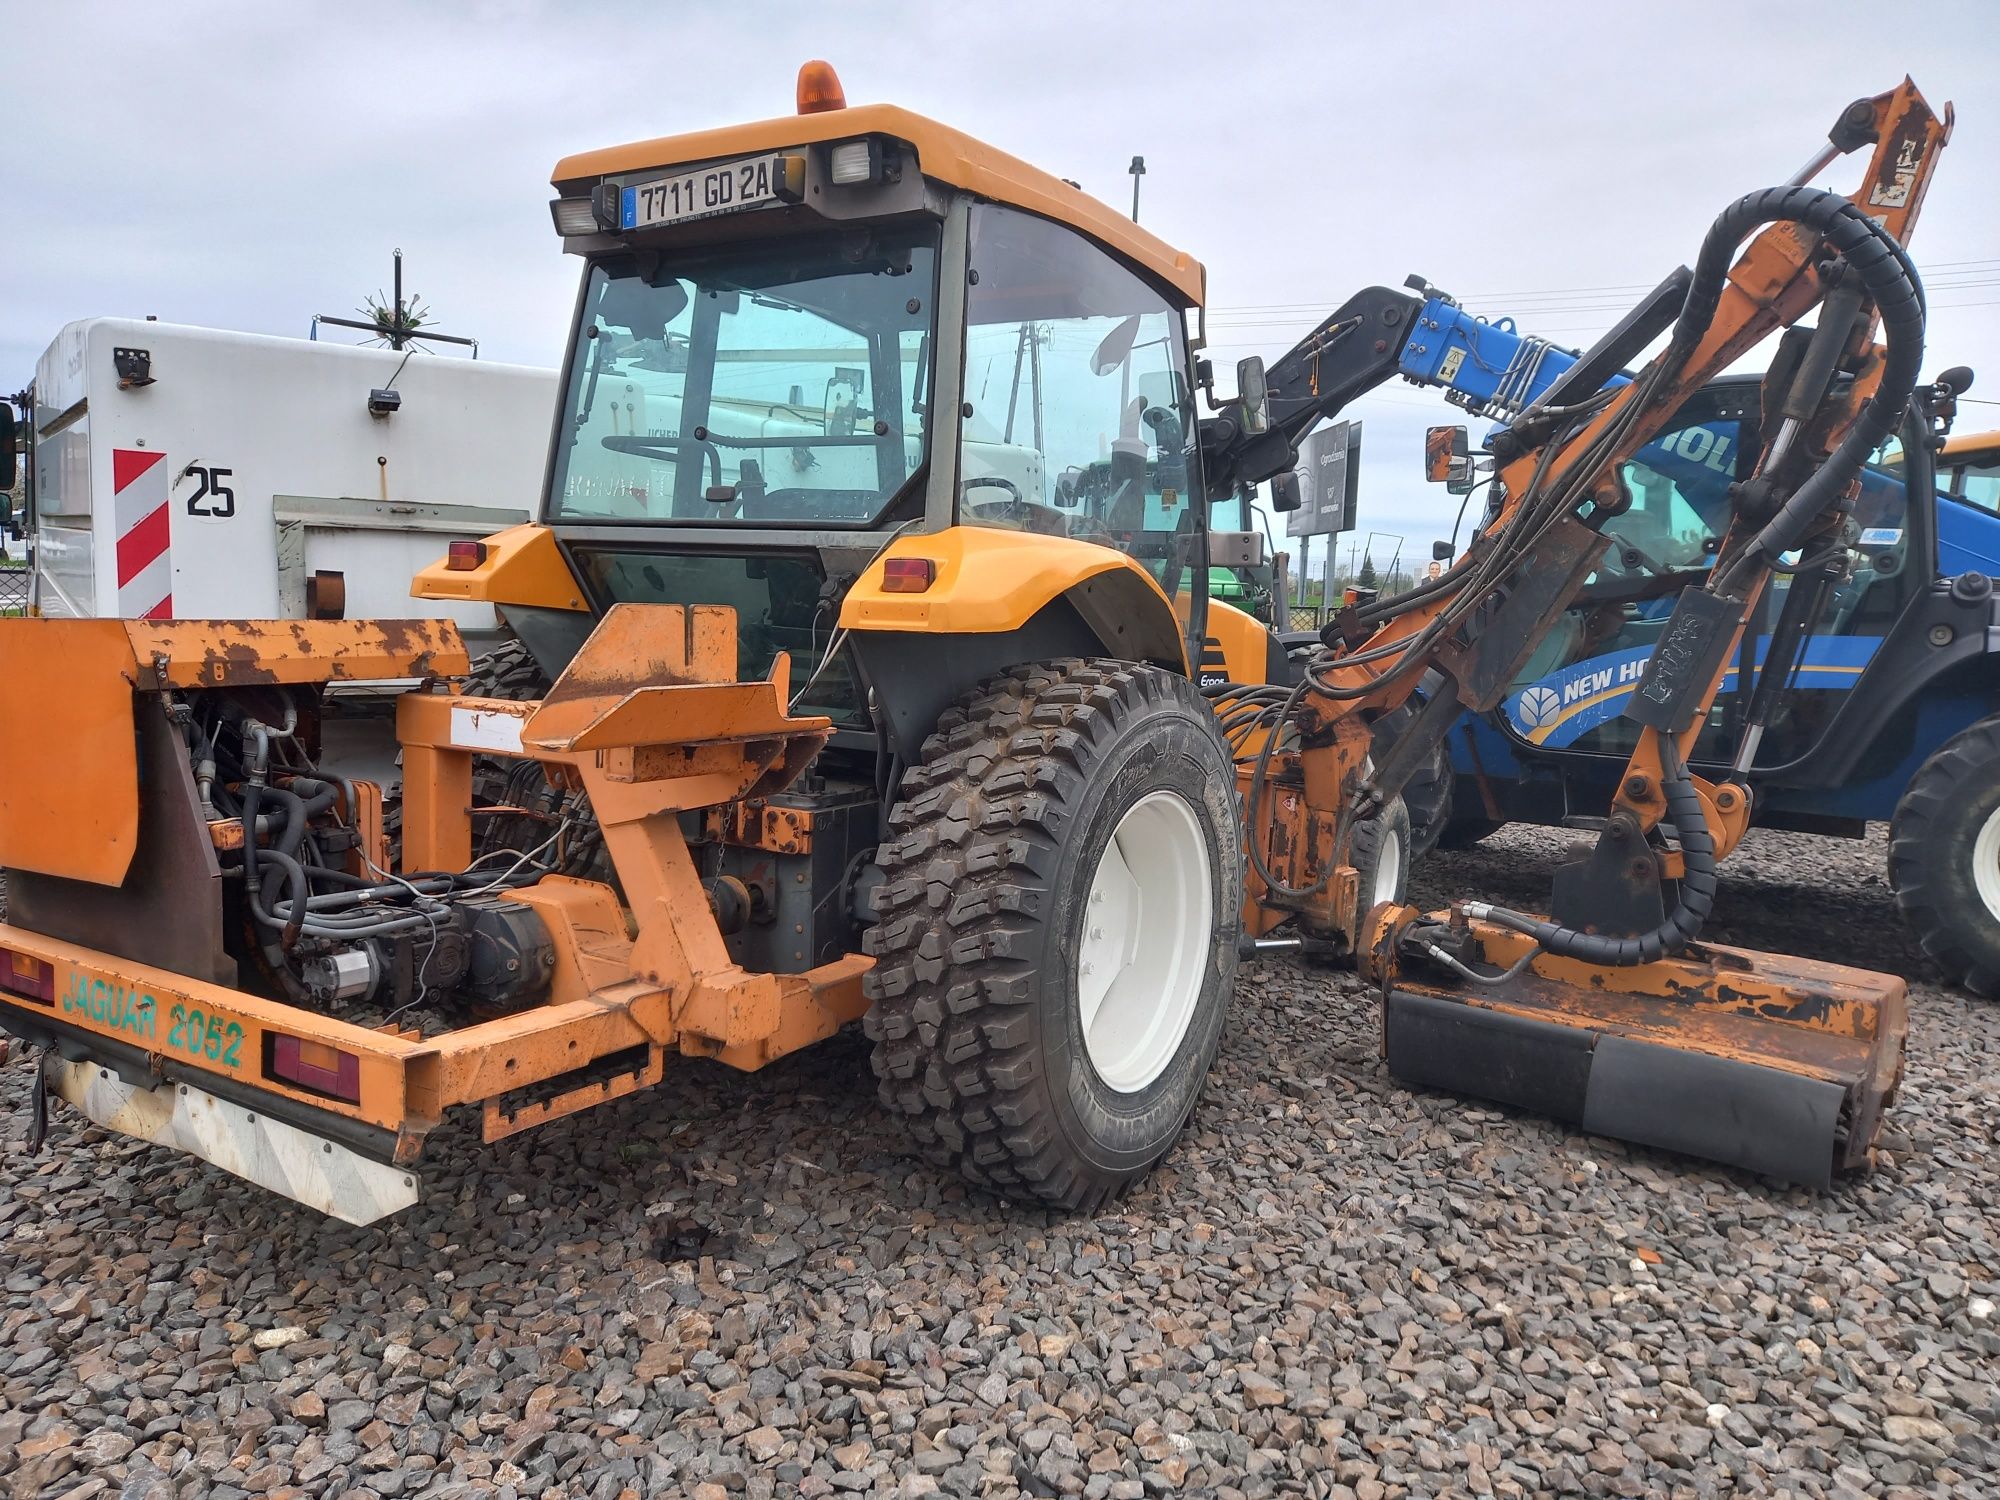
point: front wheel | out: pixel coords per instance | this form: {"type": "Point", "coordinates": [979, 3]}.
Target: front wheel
{"type": "Point", "coordinates": [1944, 857]}
{"type": "Point", "coordinates": [1058, 931]}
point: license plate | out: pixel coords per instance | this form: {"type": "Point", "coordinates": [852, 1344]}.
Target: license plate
{"type": "Point", "coordinates": [720, 189]}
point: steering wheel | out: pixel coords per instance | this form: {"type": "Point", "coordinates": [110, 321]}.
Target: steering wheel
{"type": "Point", "coordinates": [1013, 509]}
{"type": "Point", "coordinates": [992, 482]}
{"type": "Point", "coordinates": [665, 448]}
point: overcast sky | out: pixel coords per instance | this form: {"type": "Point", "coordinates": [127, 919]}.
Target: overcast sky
{"type": "Point", "coordinates": [248, 165]}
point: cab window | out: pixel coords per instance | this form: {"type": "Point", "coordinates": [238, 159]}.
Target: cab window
{"type": "Point", "coordinates": [1573, 691]}
{"type": "Point", "coordinates": [1976, 481]}
{"type": "Point", "coordinates": [1079, 421]}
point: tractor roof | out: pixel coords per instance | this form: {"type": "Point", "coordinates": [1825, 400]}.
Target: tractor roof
{"type": "Point", "coordinates": [948, 155]}
{"type": "Point", "coordinates": [1962, 445]}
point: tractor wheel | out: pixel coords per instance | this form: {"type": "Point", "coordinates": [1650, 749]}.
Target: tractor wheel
{"type": "Point", "coordinates": [1944, 857]}
{"type": "Point", "coordinates": [1056, 944]}
{"type": "Point", "coordinates": [1382, 848]}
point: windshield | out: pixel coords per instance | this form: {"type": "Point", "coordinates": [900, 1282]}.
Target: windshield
{"type": "Point", "coordinates": [770, 384]}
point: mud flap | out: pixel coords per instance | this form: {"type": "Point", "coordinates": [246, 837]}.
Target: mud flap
{"type": "Point", "coordinates": [1764, 1119]}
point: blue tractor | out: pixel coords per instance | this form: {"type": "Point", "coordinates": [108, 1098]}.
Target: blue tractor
{"type": "Point", "coordinates": [1870, 691]}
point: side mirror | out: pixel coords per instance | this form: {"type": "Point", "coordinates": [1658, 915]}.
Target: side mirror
{"type": "Point", "coordinates": [841, 404]}
{"type": "Point", "coordinates": [1067, 496]}
{"type": "Point", "coordinates": [1285, 495]}
{"type": "Point", "coordinates": [9, 464]}
{"type": "Point", "coordinates": [1115, 347]}
{"type": "Point", "coordinates": [642, 309]}
{"type": "Point", "coordinates": [1442, 551]}
{"type": "Point", "coordinates": [1957, 380]}
{"type": "Point", "coordinates": [1255, 395]}
{"type": "Point", "coordinates": [1235, 549]}
{"type": "Point", "coordinates": [1448, 459]}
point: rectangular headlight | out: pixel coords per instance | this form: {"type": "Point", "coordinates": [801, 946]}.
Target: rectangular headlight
{"type": "Point", "coordinates": [855, 161]}
{"type": "Point", "coordinates": [573, 216]}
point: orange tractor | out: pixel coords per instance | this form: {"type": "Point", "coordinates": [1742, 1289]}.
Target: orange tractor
{"type": "Point", "coordinates": [867, 669]}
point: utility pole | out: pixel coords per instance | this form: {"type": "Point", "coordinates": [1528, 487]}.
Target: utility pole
{"type": "Point", "coordinates": [1138, 170]}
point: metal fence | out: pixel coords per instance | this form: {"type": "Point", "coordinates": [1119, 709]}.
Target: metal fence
{"type": "Point", "coordinates": [13, 590]}
{"type": "Point", "coordinates": [1305, 617]}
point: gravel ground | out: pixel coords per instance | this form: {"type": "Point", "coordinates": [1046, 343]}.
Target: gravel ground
{"type": "Point", "coordinates": [735, 1286]}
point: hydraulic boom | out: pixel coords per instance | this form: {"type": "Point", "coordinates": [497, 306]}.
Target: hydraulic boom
{"type": "Point", "coordinates": [1608, 1011]}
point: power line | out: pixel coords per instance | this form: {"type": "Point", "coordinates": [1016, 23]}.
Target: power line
{"type": "Point", "coordinates": [1307, 315]}
{"type": "Point", "coordinates": [1937, 272]}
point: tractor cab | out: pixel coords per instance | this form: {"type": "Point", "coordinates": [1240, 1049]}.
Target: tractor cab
{"type": "Point", "coordinates": [852, 371]}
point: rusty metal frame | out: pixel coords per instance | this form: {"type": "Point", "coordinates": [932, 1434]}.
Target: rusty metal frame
{"type": "Point", "coordinates": [650, 721]}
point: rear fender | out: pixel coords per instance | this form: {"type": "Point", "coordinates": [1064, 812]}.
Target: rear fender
{"type": "Point", "coordinates": [998, 599]}
{"type": "Point", "coordinates": [521, 566]}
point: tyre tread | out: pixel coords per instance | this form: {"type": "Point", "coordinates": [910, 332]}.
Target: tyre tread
{"type": "Point", "coordinates": [974, 840]}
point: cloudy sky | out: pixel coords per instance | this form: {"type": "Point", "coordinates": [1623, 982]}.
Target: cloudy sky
{"type": "Point", "coordinates": [248, 165]}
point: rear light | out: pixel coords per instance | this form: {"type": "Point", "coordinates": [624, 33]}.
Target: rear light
{"type": "Point", "coordinates": [908, 575]}
{"type": "Point", "coordinates": [27, 976]}
{"type": "Point", "coordinates": [855, 161]}
{"type": "Point", "coordinates": [318, 1066]}
{"type": "Point", "coordinates": [464, 557]}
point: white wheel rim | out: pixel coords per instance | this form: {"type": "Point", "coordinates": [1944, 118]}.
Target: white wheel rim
{"type": "Point", "coordinates": [1986, 864]}
{"type": "Point", "coordinates": [1144, 948]}
{"type": "Point", "coordinates": [1388, 884]}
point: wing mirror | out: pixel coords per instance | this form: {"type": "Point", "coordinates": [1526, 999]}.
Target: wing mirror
{"type": "Point", "coordinates": [9, 466]}
{"type": "Point", "coordinates": [1116, 346]}
{"type": "Point", "coordinates": [1448, 459]}
{"type": "Point", "coordinates": [1285, 493]}
{"type": "Point", "coordinates": [644, 310]}
{"type": "Point", "coordinates": [1068, 494]}
{"type": "Point", "coordinates": [841, 403]}
{"type": "Point", "coordinates": [1255, 394]}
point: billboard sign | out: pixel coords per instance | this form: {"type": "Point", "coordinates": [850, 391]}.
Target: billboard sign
{"type": "Point", "coordinates": [1329, 481]}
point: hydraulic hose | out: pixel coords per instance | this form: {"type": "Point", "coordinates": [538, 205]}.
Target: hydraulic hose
{"type": "Point", "coordinates": [296, 910]}
{"type": "Point", "coordinates": [1683, 923]}
{"type": "Point", "coordinates": [1890, 278]}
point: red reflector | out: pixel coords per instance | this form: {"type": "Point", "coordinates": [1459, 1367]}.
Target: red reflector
{"type": "Point", "coordinates": [908, 575]}
{"type": "Point", "coordinates": [27, 976]}
{"type": "Point", "coordinates": [317, 1066]}
{"type": "Point", "coordinates": [463, 557]}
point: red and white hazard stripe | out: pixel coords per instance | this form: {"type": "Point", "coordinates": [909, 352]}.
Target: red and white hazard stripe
{"type": "Point", "coordinates": [145, 559]}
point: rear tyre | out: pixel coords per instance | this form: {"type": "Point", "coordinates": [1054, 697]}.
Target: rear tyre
{"type": "Point", "coordinates": [1944, 857]}
{"type": "Point", "coordinates": [1057, 941]}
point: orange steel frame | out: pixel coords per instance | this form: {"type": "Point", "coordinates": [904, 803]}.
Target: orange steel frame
{"type": "Point", "coordinates": [651, 722]}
